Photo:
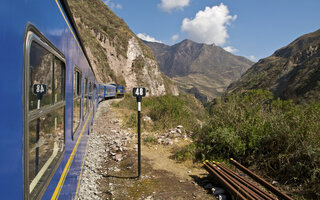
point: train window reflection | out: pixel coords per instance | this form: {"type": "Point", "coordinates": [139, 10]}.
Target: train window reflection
{"type": "Point", "coordinates": [40, 73]}
{"type": "Point", "coordinates": [46, 131]}
{"type": "Point", "coordinates": [85, 97]}
{"type": "Point", "coordinates": [46, 145]}
{"type": "Point", "coordinates": [76, 99]}
{"type": "Point", "coordinates": [76, 114]}
{"type": "Point", "coordinates": [58, 83]}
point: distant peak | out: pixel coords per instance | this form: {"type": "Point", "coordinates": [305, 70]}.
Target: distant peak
{"type": "Point", "coordinates": [187, 41]}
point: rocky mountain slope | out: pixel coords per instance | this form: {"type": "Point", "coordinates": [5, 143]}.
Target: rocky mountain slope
{"type": "Point", "coordinates": [292, 72]}
{"type": "Point", "coordinates": [201, 68]}
{"type": "Point", "coordinates": [115, 52]}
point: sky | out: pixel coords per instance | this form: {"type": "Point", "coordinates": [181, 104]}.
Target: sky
{"type": "Point", "coordinates": [249, 28]}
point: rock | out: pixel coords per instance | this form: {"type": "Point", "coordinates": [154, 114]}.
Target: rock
{"type": "Point", "coordinates": [217, 191]}
{"type": "Point", "coordinates": [118, 157]}
{"type": "Point", "coordinates": [147, 119]}
{"type": "Point", "coordinates": [149, 198]}
{"type": "Point", "coordinates": [209, 186]}
{"type": "Point", "coordinates": [113, 131]}
{"type": "Point", "coordinates": [222, 197]}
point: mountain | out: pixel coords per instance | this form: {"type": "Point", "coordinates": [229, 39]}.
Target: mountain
{"type": "Point", "coordinates": [207, 68]}
{"type": "Point", "coordinates": [115, 52]}
{"type": "Point", "coordinates": [292, 72]}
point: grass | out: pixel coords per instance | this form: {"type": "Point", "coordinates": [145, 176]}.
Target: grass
{"type": "Point", "coordinates": [150, 139]}
{"type": "Point", "coordinates": [166, 112]}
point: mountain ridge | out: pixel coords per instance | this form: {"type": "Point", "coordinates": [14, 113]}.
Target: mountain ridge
{"type": "Point", "coordinates": [291, 72]}
{"type": "Point", "coordinates": [208, 68]}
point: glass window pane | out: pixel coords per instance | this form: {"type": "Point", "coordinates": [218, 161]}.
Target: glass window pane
{"type": "Point", "coordinates": [79, 84]}
{"type": "Point", "coordinates": [46, 145]}
{"type": "Point", "coordinates": [40, 73]}
{"type": "Point", "coordinates": [84, 106]}
{"type": "Point", "coordinates": [58, 83]}
{"type": "Point", "coordinates": [85, 97]}
{"type": "Point", "coordinates": [76, 84]}
{"type": "Point", "coordinates": [76, 113]}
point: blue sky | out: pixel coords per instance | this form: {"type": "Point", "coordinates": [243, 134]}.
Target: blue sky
{"type": "Point", "coordinates": [250, 28]}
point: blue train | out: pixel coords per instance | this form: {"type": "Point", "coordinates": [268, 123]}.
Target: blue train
{"type": "Point", "coordinates": [49, 98]}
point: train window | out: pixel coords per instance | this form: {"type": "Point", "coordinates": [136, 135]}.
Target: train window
{"type": "Point", "coordinates": [85, 97]}
{"type": "Point", "coordinates": [46, 145]}
{"type": "Point", "coordinates": [76, 99]}
{"type": "Point", "coordinates": [76, 83]}
{"type": "Point", "coordinates": [58, 84]}
{"type": "Point", "coordinates": [40, 73]}
{"type": "Point", "coordinates": [44, 132]}
{"type": "Point", "coordinates": [90, 95]}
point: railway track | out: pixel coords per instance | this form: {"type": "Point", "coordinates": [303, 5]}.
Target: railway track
{"type": "Point", "coordinates": [240, 187]}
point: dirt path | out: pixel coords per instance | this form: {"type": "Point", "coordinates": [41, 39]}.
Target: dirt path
{"type": "Point", "coordinates": [111, 166]}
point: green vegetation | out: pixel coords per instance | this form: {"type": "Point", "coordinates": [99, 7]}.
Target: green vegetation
{"type": "Point", "coordinates": [166, 111]}
{"type": "Point", "coordinates": [150, 139]}
{"type": "Point", "coordinates": [278, 137]}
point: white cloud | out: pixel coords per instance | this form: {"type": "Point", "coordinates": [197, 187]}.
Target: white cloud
{"type": "Point", "coordinates": [209, 25]}
{"type": "Point", "coordinates": [148, 38]}
{"type": "Point", "coordinates": [119, 6]}
{"type": "Point", "coordinates": [112, 5]}
{"type": "Point", "coordinates": [175, 37]}
{"type": "Point", "coordinates": [230, 49]}
{"type": "Point", "coordinates": [252, 58]}
{"type": "Point", "coordinates": [169, 5]}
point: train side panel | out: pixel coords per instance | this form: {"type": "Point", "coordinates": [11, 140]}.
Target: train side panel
{"type": "Point", "coordinates": [48, 18]}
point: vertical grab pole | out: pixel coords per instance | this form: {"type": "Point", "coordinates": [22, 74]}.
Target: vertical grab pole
{"type": "Point", "coordinates": [139, 136]}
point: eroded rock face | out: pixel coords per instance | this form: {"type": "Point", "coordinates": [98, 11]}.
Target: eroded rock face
{"type": "Point", "coordinates": [115, 53]}
{"type": "Point", "coordinates": [148, 74]}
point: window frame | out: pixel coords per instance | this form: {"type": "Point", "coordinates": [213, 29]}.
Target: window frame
{"type": "Point", "coordinates": [76, 97]}
{"type": "Point", "coordinates": [32, 34]}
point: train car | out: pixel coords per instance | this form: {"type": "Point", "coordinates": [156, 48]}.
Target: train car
{"type": "Point", "coordinates": [120, 91]}
{"type": "Point", "coordinates": [109, 91]}
{"type": "Point", "coordinates": [49, 96]}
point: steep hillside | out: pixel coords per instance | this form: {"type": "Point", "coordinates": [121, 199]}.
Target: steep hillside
{"type": "Point", "coordinates": [208, 68]}
{"type": "Point", "coordinates": [292, 72]}
{"type": "Point", "coordinates": [115, 53]}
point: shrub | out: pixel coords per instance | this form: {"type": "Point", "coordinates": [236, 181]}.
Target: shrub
{"type": "Point", "coordinates": [279, 137]}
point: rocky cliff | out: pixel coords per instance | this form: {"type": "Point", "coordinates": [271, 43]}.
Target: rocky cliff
{"type": "Point", "coordinates": [204, 70]}
{"type": "Point", "coordinates": [292, 72]}
{"type": "Point", "coordinates": [115, 52]}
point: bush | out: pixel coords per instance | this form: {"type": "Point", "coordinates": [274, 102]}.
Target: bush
{"type": "Point", "coordinates": [167, 111]}
{"type": "Point", "coordinates": [279, 137]}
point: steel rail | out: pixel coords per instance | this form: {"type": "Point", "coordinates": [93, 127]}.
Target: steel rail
{"type": "Point", "coordinates": [273, 189]}
{"type": "Point", "coordinates": [244, 181]}
{"type": "Point", "coordinates": [225, 183]}
{"type": "Point", "coordinates": [241, 187]}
